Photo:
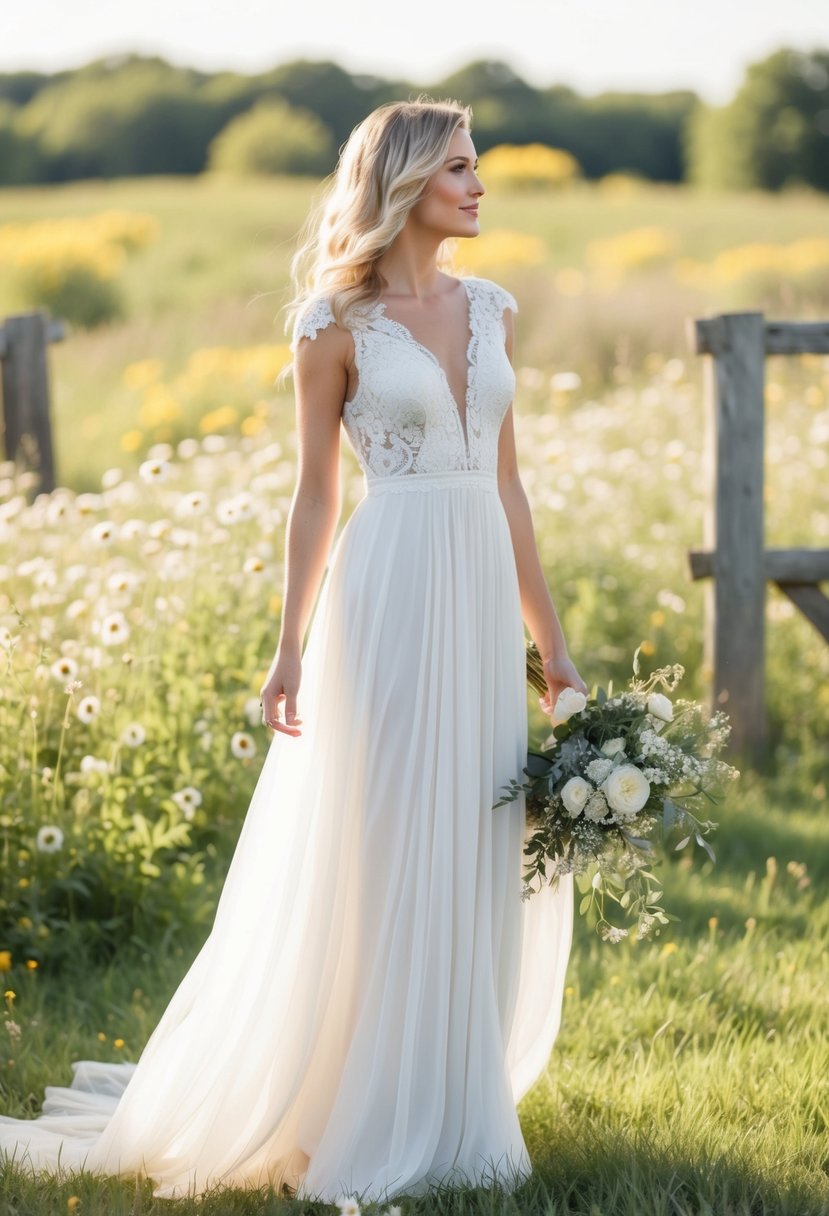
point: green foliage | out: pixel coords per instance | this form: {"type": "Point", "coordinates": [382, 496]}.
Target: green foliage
{"type": "Point", "coordinates": [77, 294]}
{"type": "Point", "coordinates": [273, 137]}
{"type": "Point", "coordinates": [128, 115]}
{"type": "Point", "coordinates": [20, 158]}
{"type": "Point", "coordinates": [775, 133]}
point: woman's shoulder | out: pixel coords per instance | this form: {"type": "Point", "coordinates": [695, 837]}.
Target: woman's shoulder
{"type": "Point", "coordinates": [315, 314]}
{"type": "Point", "coordinates": [497, 296]}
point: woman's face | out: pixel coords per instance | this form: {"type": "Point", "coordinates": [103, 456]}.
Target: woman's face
{"type": "Point", "coordinates": [449, 203]}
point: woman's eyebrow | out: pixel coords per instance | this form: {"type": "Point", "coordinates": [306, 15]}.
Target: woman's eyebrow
{"type": "Point", "coordinates": [465, 159]}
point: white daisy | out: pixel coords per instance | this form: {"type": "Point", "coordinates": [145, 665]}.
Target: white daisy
{"type": "Point", "coordinates": [348, 1207]}
{"type": "Point", "coordinates": [133, 735]}
{"type": "Point", "coordinates": [132, 528]}
{"type": "Point", "coordinates": [64, 668]}
{"type": "Point", "coordinates": [254, 565]}
{"type": "Point", "coordinates": [154, 470]}
{"type": "Point", "coordinates": [242, 744]}
{"type": "Point", "coordinates": [114, 629]}
{"type": "Point", "coordinates": [192, 504]}
{"type": "Point", "coordinates": [104, 533]}
{"type": "Point", "coordinates": [88, 708]}
{"type": "Point", "coordinates": [187, 800]}
{"type": "Point", "coordinates": [49, 839]}
{"type": "Point", "coordinates": [111, 478]}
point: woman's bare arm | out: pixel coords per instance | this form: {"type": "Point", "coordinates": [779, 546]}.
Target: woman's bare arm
{"type": "Point", "coordinates": [537, 606]}
{"type": "Point", "coordinates": [320, 385]}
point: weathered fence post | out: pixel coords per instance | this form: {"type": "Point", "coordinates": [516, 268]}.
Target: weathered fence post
{"type": "Point", "coordinates": [25, 376]}
{"type": "Point", "coordinates": [733, 524]}
{"type": "Point", "coordinates": [735, 558]}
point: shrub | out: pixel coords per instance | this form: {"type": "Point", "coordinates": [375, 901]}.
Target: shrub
{"type": "Point", "coordinates": [273, 137]}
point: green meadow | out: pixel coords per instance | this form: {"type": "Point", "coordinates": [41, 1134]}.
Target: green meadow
{"type": "Point", "coordinates": [689, 1076]}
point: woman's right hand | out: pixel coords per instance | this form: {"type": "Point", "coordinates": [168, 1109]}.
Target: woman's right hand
{"type": "Point", "coordinates": [280, 692]}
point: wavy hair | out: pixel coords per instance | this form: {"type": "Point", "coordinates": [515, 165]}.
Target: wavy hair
{"type": "Point", "coordinates": [382, 170]}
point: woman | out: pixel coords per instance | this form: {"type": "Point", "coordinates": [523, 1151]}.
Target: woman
{"type": "Point", "coordinates": [374, 996]}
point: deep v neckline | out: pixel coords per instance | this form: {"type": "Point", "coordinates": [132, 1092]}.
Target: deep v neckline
{"type": "Point", "coordinates": [405, 332]}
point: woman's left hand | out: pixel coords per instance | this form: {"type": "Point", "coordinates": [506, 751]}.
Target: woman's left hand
{"type": "Point", "coordinates": [560, 673]}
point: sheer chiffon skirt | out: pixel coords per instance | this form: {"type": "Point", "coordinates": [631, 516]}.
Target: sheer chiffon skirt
{"type": "Point", "coordinates": [374, 996]}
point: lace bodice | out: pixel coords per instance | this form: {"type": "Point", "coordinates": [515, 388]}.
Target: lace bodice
{"type": "Point", "coordinates": [403, 418]}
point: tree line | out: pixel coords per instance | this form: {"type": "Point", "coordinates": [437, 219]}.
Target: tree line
{"type": "Point", "coordinates": [129, 114]}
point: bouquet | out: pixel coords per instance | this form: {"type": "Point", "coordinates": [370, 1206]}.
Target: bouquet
{"type": "Point", "coordinates": [618, 777]}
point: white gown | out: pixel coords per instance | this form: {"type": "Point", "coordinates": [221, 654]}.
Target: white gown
{"type": "Point", "coordinates": [374, 996]}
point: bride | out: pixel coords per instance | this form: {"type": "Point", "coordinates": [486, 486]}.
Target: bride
{"type": "Point", "coordinates": [375, 996]}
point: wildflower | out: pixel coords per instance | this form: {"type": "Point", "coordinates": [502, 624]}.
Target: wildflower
{"type": "Point", "coordinates": [9, 995]}
{"type": "Point", "coordinates": [32, 964]}
{"type": "Point", "coordinates": [118, 1043]}
{"type": "Point", "coordinates": [348, 1207]}
{"type": "Point", "coordinates": [72, 1203]}
{"type": "Point", "coordinates": [187, 800]}
{"type": "Point", "coordinates": [5, 960]}
{"type": "Point", "coordinates": [133, 735]}
{"type": "Point", "coordinates": [123, 580]}
{"type": "Point", "coordinates": [91, 764]}
{"type": "Point", "coordinates": [49, 839]}
{"type": "Point", "coordinates": [88, 709]}
{"type": "Point", "coordinates": [104, 533]}
{"type": "Point", "coordinates": [242, 744]}
{"type": "Point", "coordinates": [194, 503]}
{"type": "Point", "coordinates": [254, 565]}
{"type": "Point", "coordinates": [154, 470]}
{"type": "Point", "coordinates": [131, 529]}
{"type": "Point", "coordinates": [64, 668]}
{"type": "Point", "coordinates": [13, 1029]}
{"type": "Point", "coordinates": [114, 629]}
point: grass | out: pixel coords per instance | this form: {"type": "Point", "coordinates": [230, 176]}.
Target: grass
{"type": "Point", "coordinates": [689, 1075]}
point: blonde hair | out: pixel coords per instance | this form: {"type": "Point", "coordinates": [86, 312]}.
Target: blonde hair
{"type": "Point", "coordinates": [382, 170]}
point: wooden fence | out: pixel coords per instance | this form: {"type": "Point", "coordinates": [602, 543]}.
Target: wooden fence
{"type": "Point", "coordinates": [735, 557]}
{"type": "Point", "coordinates": [24, 340]}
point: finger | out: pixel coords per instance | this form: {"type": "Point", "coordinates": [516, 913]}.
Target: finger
{"type": "Point", "coordinates": [285, 729]}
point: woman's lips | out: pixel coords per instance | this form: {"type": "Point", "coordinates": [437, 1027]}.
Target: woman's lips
{"type": "Point", "coordinates": [470, 210]}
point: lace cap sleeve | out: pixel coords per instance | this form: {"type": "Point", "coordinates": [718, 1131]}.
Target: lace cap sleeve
{"type": "Point", "coordinates": [316, 315]}
{"type": "Point", "coordinates": [502, 298]}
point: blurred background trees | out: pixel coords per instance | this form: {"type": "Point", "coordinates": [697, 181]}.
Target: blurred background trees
{"type": "Point", "coordinates": [131, 115]}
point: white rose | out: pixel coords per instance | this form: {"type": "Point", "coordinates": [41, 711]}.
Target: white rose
{"type": "Point", "coordinates": [660, 707]}
{"type": "Point", "coordinates": [574, 794]}
{"type": "Point", "coordinates": [568, 702]}
{"type": "Point", "coordinates": [614, 746]}
{"type": "Point", "coordinates": [626, 789]}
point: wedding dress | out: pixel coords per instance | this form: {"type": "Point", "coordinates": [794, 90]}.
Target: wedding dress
{"type": "Point", "coordinates": [375, 996]}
